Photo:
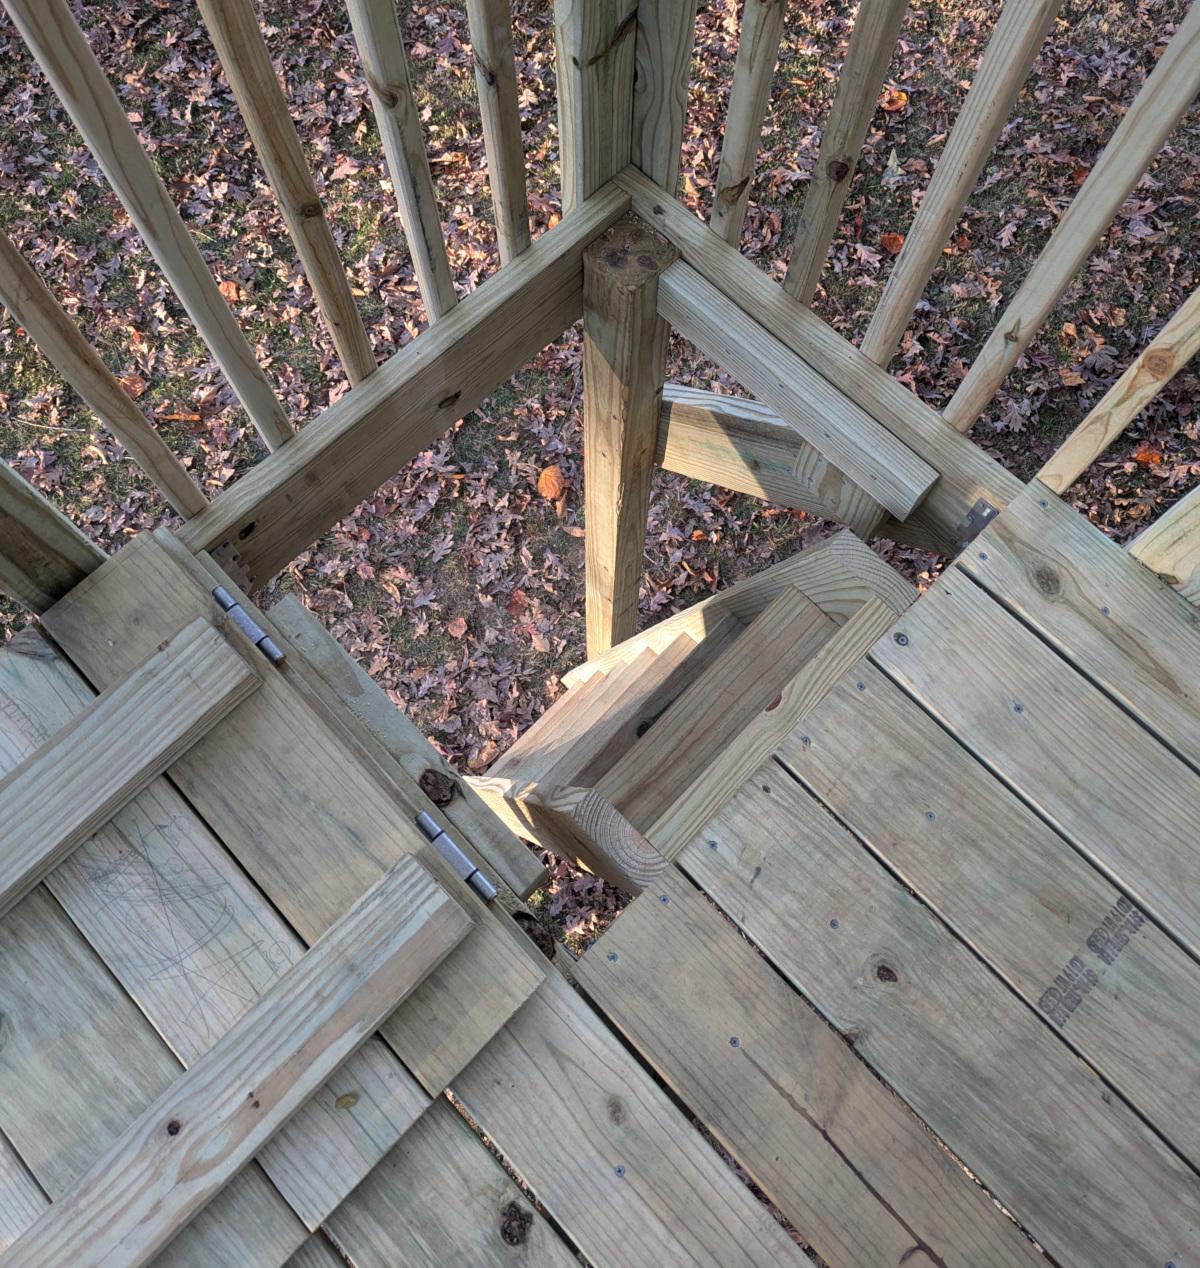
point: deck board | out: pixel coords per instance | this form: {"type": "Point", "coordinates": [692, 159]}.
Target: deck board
{"type": "Point", "coordinates": [283, 789]}
{"type": "Point", "coordinates": [1088, 1179]}
{"type": "Point", "coordinates": [1122, 625]}
{"type": "Point", "coordinates": [1124, 800]}
{"type": "Point", "coordinates": [194, 944]}
{"type": "Point", "coordinates": [79, 1063]}
{"type": "Point", "coordinates": [1013, 889]}
{"type": "Point", "coordinates": [849, 1166]}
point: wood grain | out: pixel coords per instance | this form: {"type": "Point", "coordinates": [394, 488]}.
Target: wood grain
{"type": "Point", "coordinates": [1168, 91]}
{"type": "Point", "coordinates": [1110, 982]}
{"type": "Point", "coordinates": [744, 445]}
{"type": "Point", "coordinates": [190, 1142]}
{"type": "Point", "coordinates": [613, 1160]}
{"type": "Point", "coordinates": [872, 44]}
{"type": "Point", "coordinates": [1071, 1161]}
{"type": "Point", "coordinates": [666, 35]}
{"type": "Point", "coordinates": [42, 554]}
{"type": "Point", "coordinates": [79, 779]}
{"type": "Point", "coordinates": [287, 501]}
{"type": "Point", "coordinates": [1170, 547]}
{"type": "Point", "coordinates": [52, 35]}
{"type": "Point", "coordinates": [624, 350]}
{"type": "Point", "coordinates": [851, 1169]}
{"type": "Point", "coordinates": [1124, 801]}
{"type": "Point", "coordinates": [1109, 616]}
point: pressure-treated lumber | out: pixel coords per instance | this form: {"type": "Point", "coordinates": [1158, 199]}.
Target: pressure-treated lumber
{"type": "Point", "coordinates": [21, 1197]}
{"type": "Point", "coordinates": [441, 1198]}
{"type": "Point", "coordinates": [838, 574]}
{"type": "Point", "coordinates": [54, 38]}
{"type": "Point", "coordinates": [666, 34]}
{"type": "Point", "coordinates": [510, 858]}
{"type": "Point", "coordinates": [753, 70]}
{"type": "Point", "coordinates": [594, 42]}
{"type": "Point", "coordinates": [32, 305]}
{"type": "Point", "coordinates": [987, 864]}
{"type": "Point", "coordinates": [731, 764]}
{"type": "Point", "coordinates": [587, 729]}
{"type": "Point", "coordinates": [986, 1073]}
{"type": "Point", "coordinates": [1019, 33]}
{"type": "Point", "coordinates": [1166, 354]}
{"type": "Point", "coordinates": [1100, 608]}
{"type": "Point", "coordinates": [1125, 801]}
{"type": "Point", "coordinates": [624, 347]}
{"type": "Point", "coordinates": [54, 801]}
{"type": "Point", "coordinates": [843, 1159]}
{"type": "Point", "coordinates": [965, 472]}
{"type": "Point", "coordinates": [838, 428]}
{"type": "Point", "coordinates": [193, 943]}
{"type": "Point", "coordinates": [315, 821]}
{"type": "Point", "coordinates": [42, 554]}
{"type": "Point", "coordinates": [671, 763]}
{"type": "Point", "coordinates": [246, 61]}
{"type": "Point", "coordinates": [490, 25]}
{"type": "Point", "coordinates": [615, 1163]}
{"type": "Point", "coordinates": [287, 501]}
{"type": "Point", "coordinates": [80, 1062]}
{"type": "Point", "coordinates": [1171, 546]}
{"type": "Point", "coordinates": [385, 65]}
{"type": "Point", "coordinates": [744, 445]}
{"type": "Point", "coordinates": [580, 823]}
{"type": "Point", "coordinates": [1168, 91]}
{"type": "Point", "coordinates": [872, 44]}
{"type": "Point", "coordinates": [190, 1142]}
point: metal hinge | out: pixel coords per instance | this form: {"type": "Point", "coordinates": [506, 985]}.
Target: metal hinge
{"type": "Point", "coordinates": [978, 518]}
{"type": "Point", "coordinates": [249, 626]}
{"type": "Point", "coordinates": [452, 852]}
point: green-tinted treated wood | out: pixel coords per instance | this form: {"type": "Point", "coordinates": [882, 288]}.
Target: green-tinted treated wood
{"type": "Point", "coordinates": [835, 424]}
{"type": "Point", "coordinates": [1171, 547]}
{"type": "Point", "coordinates": [53, 36]}
{"type": "Point", "coordinates": [186, 1146]}
{"type": "Point", "coordinates": [286, 502]}
{"type": "Point", "coordinates": [1078, 951]}
{"type": "Point", "coordinates": [193, 943]}
{"type": "Point", "coordinates": [965, 472]}
{"type": "Point", "coordinates": [838, 575]}
{"type": "Point", "coordinates": [79, 1063]}
{"type": "Point", "coordinates": [857, 1175]}
{"type": "Point", "coordinates": [42, 554]}
{"type": "Point", "coordinates": [1064, 1154]}
{"type": "Point", "coordinates": [1124, 801]}
{"type": "Point", "coordinates": [54, 800]}
{"type": "Point", "coordinates": [744, 445]}
{"type": "Point", "coordinates": [664, 784]}
{"type": "Point", "coordinates": [303, 813]}
{"type": "Point", "coordinates": [666, 33]}
{"type": "Point", "coordinates": [614, 1162]}
{"type": "Point", "coordinates": [1104, 612]}
{"type": "Point", "coordinates": [21, 1197]}
{"type": "Point", "coordinates": [512, 860]}
{"type": "Point", "coordinates": [440, 1198]}
{"type": "Point", "coordinates": [594, 42]}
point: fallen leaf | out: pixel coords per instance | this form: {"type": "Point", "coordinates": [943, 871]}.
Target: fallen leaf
{"type": "Point", "coordinates": [891, 242]}
{"type": "Point", "coordinates": [893, 99]}
{"type": "Point", "coordinates": [231, 291]}
{"type": "Point", "coordinates": [552, 484]}
{"type": "Point", "coordinates": [1148, 457]}
{"type": "Point", "coordinates": [133, 384]}
{"type": "Point", "coordinates": [1070, 377]}
{"type": "Point", "coordinates": [457, 628]}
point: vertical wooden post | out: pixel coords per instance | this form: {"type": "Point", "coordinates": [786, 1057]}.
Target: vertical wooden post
{"type": "Point", "coordinates": [594, 41]}
{"type": "Point", "coordinates": [42, 554]}
{"type": "Point", "coordinates": [624, 346]}
{"type": "Point", "coordinates": [666, 34]}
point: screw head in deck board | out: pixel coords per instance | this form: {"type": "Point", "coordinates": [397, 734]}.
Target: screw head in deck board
{"type": "Point", "coordinates": [629, 253]}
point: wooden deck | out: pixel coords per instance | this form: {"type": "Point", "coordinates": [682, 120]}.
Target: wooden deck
{"type": "Point", "coordinates": [926, 976]}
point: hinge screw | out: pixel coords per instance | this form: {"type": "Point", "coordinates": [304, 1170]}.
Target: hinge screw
{"type": "Point", "coordinates": [900, 639]}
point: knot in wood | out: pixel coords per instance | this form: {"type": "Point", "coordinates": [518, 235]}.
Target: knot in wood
{"type": "Point", "coordinates": [515, 1223]}
{"type": "Point", "coordinates": [438, 786]}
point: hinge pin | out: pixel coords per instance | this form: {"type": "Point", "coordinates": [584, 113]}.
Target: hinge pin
{"type": "Point", "coordinates": [249, 626]}
{"type": "Point", "coordinates": [452, 852]}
